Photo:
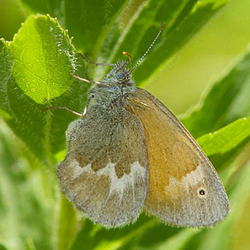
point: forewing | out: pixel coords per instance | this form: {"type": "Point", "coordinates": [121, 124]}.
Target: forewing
{"type": "Point", "coordinates": [184, 188]}
{"type": "Point", "coordinates": [105, 172]}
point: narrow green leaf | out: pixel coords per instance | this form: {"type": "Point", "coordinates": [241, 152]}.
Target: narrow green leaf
{"type": "Point", "coordinates": [3, 247]}
{"type": "Point", "coordinates": [227, 138]}
{"type": "Point", "coordinates": [52, 7]}
{"type": "Point", "coordinates": [67, 224]}
{"type": "Point", "coordinates": [227, 100]}
{"type": "Point", "coordinates": [147, 232]}
{"type": "Point", "coordinates": [226, 144]}
{"type": "Point", "coordinates": [183, 19]}
{"type": "Point", "coordinates": [26, 197]}
{"type": "Point", "coordinates": [88, 21]}
{"type": "Point", "coordinates": [180, 240]}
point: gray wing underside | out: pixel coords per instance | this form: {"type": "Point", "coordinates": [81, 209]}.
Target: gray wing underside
{"type": "Point", "coordinates": [105, 172]}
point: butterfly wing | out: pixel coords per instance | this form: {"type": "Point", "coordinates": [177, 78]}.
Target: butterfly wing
{"type": "Point", "coordinates": [184, 188]}
{"type": "Point", "coordinates": [103, 174]}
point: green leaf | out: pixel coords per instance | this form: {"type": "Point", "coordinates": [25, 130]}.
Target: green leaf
{"type": "Point", "coordinates": [52, 7]}
{"type": "Point", "coordinates": [26, 197]}
{"type": "Point", "coordinates": [2, 247]}
{"type": "Point", "coordinates": [43, 58]}
{"type": "Point", "coordinates": [146, 232]}
{"type": "Point", "coordinates": [226, 144]}
{"type": "Point", "coordinates": [227, 100]}
{"type": "Point", "coordinates": [35, 76]}
{"type": "Point", "coordinates": [67, 225]}
{"type": "Point", "coordinates": [226, 139]}
{"type": "Point", "coordinates": [89, 21]}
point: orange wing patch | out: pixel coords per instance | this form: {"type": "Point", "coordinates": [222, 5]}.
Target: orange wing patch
{"type": "Point", "coordinates": [184, 188]}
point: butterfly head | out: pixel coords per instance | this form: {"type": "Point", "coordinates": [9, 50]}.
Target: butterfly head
{"type": "Point", "coordinates": [119, 75]}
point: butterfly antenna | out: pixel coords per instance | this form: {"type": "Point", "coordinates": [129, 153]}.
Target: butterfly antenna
{"type": "Point", "coordinates": [129, 57]}
{"type": "Point", "coordinates": [150, 47]}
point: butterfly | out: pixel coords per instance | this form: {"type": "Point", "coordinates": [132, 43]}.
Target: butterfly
{"type": "Point", "coordinates": [128, 153]}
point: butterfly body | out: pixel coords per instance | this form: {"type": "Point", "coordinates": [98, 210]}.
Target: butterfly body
{"type": "Point", "coordinates": [129, 153]}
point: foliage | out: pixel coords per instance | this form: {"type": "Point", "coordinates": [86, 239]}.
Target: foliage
{"type": "Point", "coordinates": [35, 73]}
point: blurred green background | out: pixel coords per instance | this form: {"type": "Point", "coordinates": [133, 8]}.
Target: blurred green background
{"type": "Point", "coordinates": [179, 85]}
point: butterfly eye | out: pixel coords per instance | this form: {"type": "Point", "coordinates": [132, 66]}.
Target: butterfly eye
{"type": "Point", "coordinates": [119, 75]}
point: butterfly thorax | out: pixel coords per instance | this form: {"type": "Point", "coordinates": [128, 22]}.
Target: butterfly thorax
{"type": "Point", "coordinates": [114, 90]}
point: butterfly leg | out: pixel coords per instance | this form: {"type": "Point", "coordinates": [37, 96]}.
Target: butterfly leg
{"type": "Point", "coordinates": [66, 109]}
